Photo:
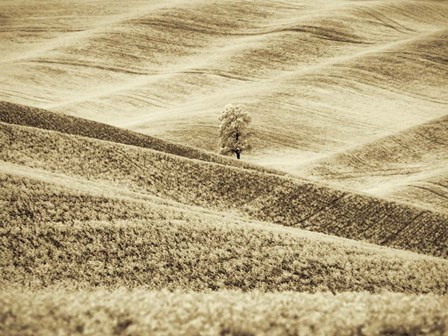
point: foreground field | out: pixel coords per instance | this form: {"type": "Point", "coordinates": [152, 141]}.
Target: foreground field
{"type": "Point", "coordinates": [139, 312]}
{"type": "Point", "coordinates": [90, 240]}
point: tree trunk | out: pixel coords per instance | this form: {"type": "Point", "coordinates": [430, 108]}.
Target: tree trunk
{"type": "Point", "coordinates": [238, 153]}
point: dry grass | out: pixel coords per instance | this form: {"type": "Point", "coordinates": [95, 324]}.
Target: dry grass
{"type": "Point", "coordinates": [251, 194]}
{"type": "Point", "coordinates": [55, 235]}
{"type": "Point", "coordinates": [79, 214]}
{"type": "Point", "coordinates": [140, 312]}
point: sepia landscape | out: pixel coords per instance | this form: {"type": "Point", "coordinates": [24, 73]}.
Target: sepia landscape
{"type": "Point", "coordinates": [119, 215]}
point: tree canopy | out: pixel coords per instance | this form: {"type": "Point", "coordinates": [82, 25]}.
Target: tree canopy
{"type": "Point", "coordinates": [233, 131]}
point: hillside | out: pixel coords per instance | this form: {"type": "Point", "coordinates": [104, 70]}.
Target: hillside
{"type": "Point", "coordinates": [430, 192]}
{"type": "Point", "coordinates": [40, 118]}
{"type": "Point", "coordinates": [84, 218]}
{"type": "Point", "coordinates": [408, 166]}
{"type": "Point", "coordinates": [251, 194]}
{"type": "Point", "coordinates": [90, 240]}
{"type": "Point", "coordinates": [365, 68]}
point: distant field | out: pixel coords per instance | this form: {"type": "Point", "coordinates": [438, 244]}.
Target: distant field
{"type": "Point", "coordinates": [319, 77]}
{"type": "Point", "coordinates": [410, 166]}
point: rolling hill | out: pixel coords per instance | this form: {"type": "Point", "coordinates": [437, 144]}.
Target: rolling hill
{"type": "Point", "coordinates": [40, 118]}
{"type": "Point", "coordinates": [408, 166]}
{"type": "Point", "coordinates": [83, 214]}
{"type": "Point", "coordinates": [118, 218]}
{"type": "Point", "coordinates": [256, 195]}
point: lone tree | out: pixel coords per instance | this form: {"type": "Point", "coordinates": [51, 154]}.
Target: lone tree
{"type": "Point", "coordinates": [233, 133]}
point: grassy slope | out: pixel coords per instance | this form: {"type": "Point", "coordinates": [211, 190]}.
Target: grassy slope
{"type": "Point", "coordinates": [138, 312]}
{"type": "Point", "coordinates": [413, 159]}
{"type": "Point", "coordinates": [252, 194]}
{"type": "Point", "coordinates": [54, 235]}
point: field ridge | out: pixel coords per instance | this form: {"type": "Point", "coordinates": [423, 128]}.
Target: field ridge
{"type": "Point", "coordinates": [182, 313]}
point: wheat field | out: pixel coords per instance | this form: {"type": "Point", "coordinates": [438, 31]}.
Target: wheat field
{"type": "Point", "coordinates": [119, 217]}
